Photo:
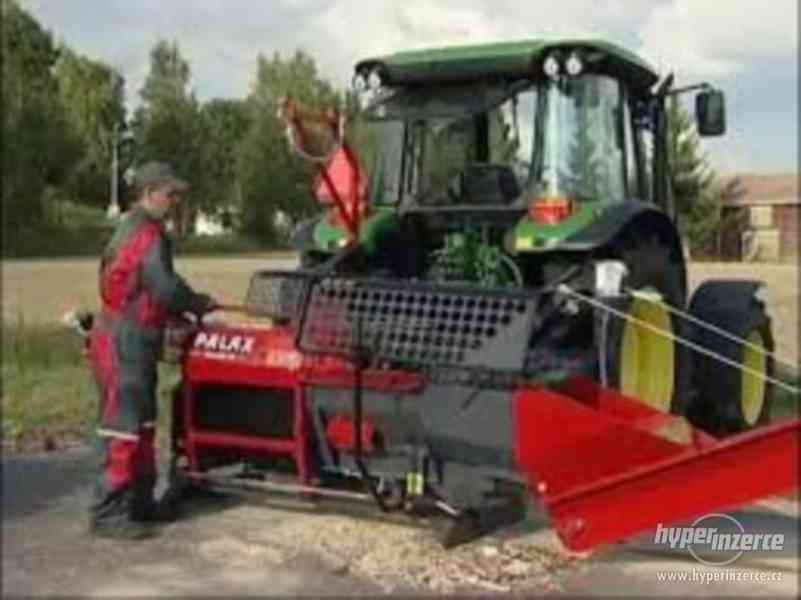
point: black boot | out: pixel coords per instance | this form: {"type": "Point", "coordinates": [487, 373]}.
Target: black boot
{"type": "Point", "coordinates": [165, 510]}
{"type": "Point", "coordinates": [114, 517]}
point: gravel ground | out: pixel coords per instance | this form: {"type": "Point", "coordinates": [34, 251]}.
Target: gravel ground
{"type": "Point", "coordinates": [228, 546]}
{"type": "Point", "coordinates": [233, 546]}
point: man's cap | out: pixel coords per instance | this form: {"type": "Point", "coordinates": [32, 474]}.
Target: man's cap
{"type": "Point", "coordinates": [157, 173]}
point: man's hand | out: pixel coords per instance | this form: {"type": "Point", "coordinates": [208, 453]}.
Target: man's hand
{"type": "Point", "coordinates": [205, 304]}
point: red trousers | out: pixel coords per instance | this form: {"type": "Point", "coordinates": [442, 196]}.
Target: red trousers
{"type": "Point", "coordinates": [125, 449]}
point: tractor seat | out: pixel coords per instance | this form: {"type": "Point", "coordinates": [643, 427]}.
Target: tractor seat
{"type": "Point", "coordinates": [487, 183]}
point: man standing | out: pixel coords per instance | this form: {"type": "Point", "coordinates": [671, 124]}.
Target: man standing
{"type": "Point", "coordinates": [138, 290]}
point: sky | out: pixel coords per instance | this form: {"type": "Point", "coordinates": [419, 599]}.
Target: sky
{"type": "Point", "coordinates": [748, 48]}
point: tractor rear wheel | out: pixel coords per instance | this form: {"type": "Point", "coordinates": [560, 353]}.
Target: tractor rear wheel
{"type": "Point", "coordinates": [730, 400]}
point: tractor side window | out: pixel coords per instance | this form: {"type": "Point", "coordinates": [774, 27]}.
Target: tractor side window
{"type": "Point", "coordinates": [447, 145]}
{"type": "Point", "coordinates": [380, 145]}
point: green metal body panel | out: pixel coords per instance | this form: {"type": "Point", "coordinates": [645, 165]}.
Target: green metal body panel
{"type": "Point", "coordinates": [531, 236]}
{"type": "Point", "coordinates": [330, 238]}
{"type": "Point", "coordinates": [505, 59]}
{"type": "Point", "coordinates": [594, 227]}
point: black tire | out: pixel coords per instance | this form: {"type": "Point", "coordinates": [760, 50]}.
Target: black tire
{"type": "Point", "coordinates": [652, 265]}
{"type": "Point", "coordinates": [718, 407]}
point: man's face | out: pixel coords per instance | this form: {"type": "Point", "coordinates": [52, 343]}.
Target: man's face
{"type": "Point", "coordinates": [160, 200]}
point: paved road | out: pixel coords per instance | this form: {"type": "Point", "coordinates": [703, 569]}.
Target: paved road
{"type": "Point", "coordinates": [46, 550]}
{"type": "Point", "coordinates": [227, 547]}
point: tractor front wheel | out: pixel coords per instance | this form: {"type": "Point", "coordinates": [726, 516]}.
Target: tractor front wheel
{"type": "Point", "coordinates": [646, 362]}
{"type": "Point", "coordinates": [644, 359]}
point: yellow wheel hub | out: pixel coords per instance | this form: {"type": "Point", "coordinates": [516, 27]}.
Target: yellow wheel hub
{"type": "Point", "coordinates": [753, 387]}
{"type": "Point", "coordinates": [647, 359]}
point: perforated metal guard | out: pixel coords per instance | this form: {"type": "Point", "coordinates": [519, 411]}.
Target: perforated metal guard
{"type": "Point", "coordinates": [278, 294]}
{"type": "Point", "coordinates": [419, 324]}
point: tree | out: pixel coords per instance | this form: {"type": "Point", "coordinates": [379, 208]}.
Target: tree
{"type": "Point", "coordinates": [274, 179]}
{"type": "Point", "coordinates": [708, 220]}
{"type": "Point", "coordinates": [691, 174]}
{"type": "Point", "coordinates": [92, 95]}
{"type": "Point", "coordinates": [44, 149]}
{"type": "Point", "coordinates": [225, 123]}
{"type": "Point", "coordinates": [169, 127]}
{"type": "Point", "coordinates": [699, 195]}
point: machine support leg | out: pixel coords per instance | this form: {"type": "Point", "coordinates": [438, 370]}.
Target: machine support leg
{"type": "Point", "coordinates": [361, 359]}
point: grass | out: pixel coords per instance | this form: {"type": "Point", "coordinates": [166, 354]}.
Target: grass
{"type": "Point", "coordinates": [48, 393]}
{"type": "Point", "coordinates": [48, 240]}
{"type": "Point", "coordinates": [786, 405]}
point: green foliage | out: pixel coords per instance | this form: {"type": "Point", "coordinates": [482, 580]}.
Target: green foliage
{"type": "Point", "coordinates": [91, 94]}
{"type": "Point", "coordinates": [272, 178]}
{"type": "Point", "coordinates": [691, 174]}
{"type": "Point", "coordinates": [467, 257]}
{"type": "Point", "coordinates": [706, 221]}
{"type": "Point", "coordinates": [786, 404]}
{"type": "Point", "coordinates": [62, 108]}
{"type": "Point", "coordinates": [69, 229]}
{"type": "Point", "coordinates": [45, 148]}
{"type": "Point", "coordinates": [699, 195]}
{"type": "Point", "coordinates": [168, 127]}
{"type": "Point", "coordinates": [225, 123]}
{"type": "Point", "coordinates": [48, 391]}
{"type": "Point", "coordinates": [48, 240]}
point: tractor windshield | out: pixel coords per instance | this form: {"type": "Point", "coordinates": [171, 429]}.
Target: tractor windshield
{"type": "Point", "coordinates": [580, 150]}
{"type": "Point", "coordinates": [502, 144]}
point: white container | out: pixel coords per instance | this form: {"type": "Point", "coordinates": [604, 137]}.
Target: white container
{"type": "Point", "coordinates": [609, 276]}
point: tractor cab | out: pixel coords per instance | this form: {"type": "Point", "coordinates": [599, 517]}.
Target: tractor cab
{"type": "Point", "coordinates": [525, 143]}
{"type": "Point", "coordinates": [545, 126]}
{"type": "Point", "coordinates": [543, 143]}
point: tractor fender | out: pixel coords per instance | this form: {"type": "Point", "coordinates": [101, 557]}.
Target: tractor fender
{"type": "Point", "coordinates": [725, 303]}
{"type": "Point", "coordinates": [614, 220]}
{"type": "Point", "coordinates": [625, 223]}
{"type": "Point", "coordinates": [632, 225]}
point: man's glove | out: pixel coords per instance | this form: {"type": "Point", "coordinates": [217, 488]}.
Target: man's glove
{"type": "Point", "coordinates": [203, 304]}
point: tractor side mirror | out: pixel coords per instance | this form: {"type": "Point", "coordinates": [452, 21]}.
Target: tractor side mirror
{"type": "Point", "coordinates": [710, 113]}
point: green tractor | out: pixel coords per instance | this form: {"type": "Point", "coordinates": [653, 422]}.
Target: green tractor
{"type": "Point", "coordinates": [536, 163]}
